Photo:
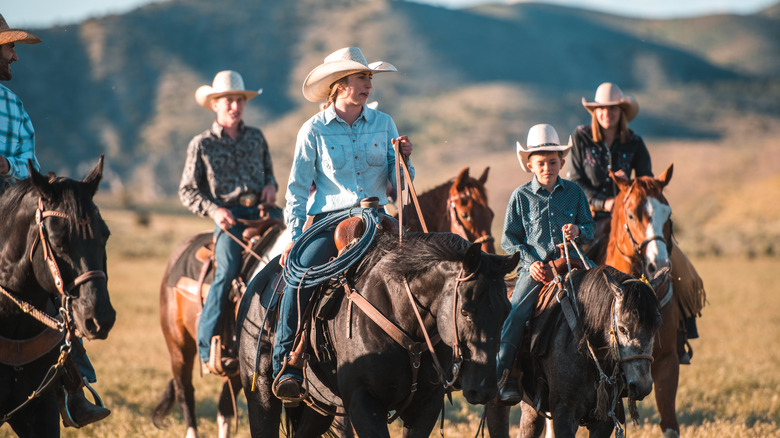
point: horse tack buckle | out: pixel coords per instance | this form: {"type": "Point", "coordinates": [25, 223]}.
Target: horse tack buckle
{"type": "Point", "coordinates": [248, 199]}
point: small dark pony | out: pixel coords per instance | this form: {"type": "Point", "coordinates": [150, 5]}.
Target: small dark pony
{"type": "Point", "coordinates": [640, 244]}
{"type": "Point", "coordinates": [578, 375]}
{"type": "Point", "coordinates": [183, 289]}
{"type": "Point", "coordinates": [53, 258]}
{"type": "Point", "coordinates": [458, 206]}
{"type": "Point", "coordinates": [459, 293]}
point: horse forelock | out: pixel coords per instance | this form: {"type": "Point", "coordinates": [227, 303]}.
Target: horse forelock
{"type": "Point", "coordinates": [597, 300]}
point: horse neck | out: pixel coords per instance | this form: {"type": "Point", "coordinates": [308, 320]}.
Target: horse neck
{"type": "Point", "coordinates": [433, 204]}
{"type": "Point", "coordinates": [620, 254]}
{"type": "Point", "coordinates": [18, 233]}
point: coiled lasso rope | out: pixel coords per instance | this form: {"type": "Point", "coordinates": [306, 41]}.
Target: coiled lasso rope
{"type": "Point", "coordinates": [297, 275]}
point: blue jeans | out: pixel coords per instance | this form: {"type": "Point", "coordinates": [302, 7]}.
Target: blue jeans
{"type": "Point", "coordinates": [227, 256]}
{"type": "Point", "coordinates": [319, 251]}
{"type": "Point", "coordinates": [83, 363]}
{"type": "Point", "coordinates": [523, 300]}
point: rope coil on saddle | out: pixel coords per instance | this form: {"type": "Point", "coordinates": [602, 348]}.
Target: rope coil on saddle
{"type": "Point", "coordinates": [298, 275]}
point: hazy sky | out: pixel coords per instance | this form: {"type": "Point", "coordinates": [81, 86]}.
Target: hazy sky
{"type": "Point", "coordinates": [44, 13]}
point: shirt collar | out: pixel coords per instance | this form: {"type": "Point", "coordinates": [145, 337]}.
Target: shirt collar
{"type": "Point", "coordinates": [536, 186]}
{"type": "Point", "coordinates": [367, 114]}
{"type": "Point", "coordinates": [218, 130]}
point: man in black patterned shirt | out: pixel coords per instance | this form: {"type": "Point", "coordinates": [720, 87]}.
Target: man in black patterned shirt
{"type": "Point", "coordinates": [227, 175]}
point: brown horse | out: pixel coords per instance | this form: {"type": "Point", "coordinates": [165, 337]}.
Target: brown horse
{"type": "Point", "coordinates": [458, 206]}
{"type": "Point", "coordinates": [640, 244]}
{"type": "Point", "coordinates": [185, 283]}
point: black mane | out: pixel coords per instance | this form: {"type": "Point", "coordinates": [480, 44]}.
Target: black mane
{"type": "Point", "coordinates": [418, 253]}
{"type": "Point", "coordinates": [594, 294]}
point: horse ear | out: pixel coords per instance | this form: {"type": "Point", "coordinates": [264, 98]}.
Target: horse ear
{"type": "Point", "coordinates": [473, 258]}
{"type": "Point", "coordinates": [483, 179]}
{"type": "Point", "coordinates": [509, 263]}
{"type": "Point", "coordinates": [621, 180]}
{"type": "Point", "coordinates": [613, 285]}
{"type": "Point", "coordinates": [39, 182]}
{"type": "Point", "coordinates": [462, 176]}
{"type": "Point", "coordinates": [93, 179]}
{"type": "Point", "coordinates": [665, 177]}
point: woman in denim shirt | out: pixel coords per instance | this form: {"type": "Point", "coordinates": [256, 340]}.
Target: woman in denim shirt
{"type": "Point", "coordinates": [347, 151]}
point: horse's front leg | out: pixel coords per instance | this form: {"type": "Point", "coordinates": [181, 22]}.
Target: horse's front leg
{"type": "Point", "coordinates": [531, 423]}
{"type": "Point", "coordinates": [225, 408]}
{"type": "Point", "coordinates": [368, 416]}
{"type": "Point", "coordinates": [666, 372]}
{"type": "Point", "coordinates": [497, 419]}
{"type": "Point", "coordinates": [421, 415]}
{"type": "Point", "coordinates": [564, 423]}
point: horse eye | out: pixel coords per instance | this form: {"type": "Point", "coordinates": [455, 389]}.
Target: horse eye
{"type": "Point", "coordinates": [623, 331]}
{"type": "Point", "coordinates": [631, 216]}
{"type": "Point", "coordinates": [465, 216]}
{"type": "Point", "coordinates": [465, 314]}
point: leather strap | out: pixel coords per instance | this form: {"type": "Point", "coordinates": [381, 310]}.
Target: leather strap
{"type": "Point", "coordinates": [23, 351]}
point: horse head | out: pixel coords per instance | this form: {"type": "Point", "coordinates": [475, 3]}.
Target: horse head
{"type": "Point", "coordinates": [641, 224]}
{"type": "Point", "coordinates": [68, 252]}
{"type": "Point", "coordinates": [471, 320]}
{"type": "Point", "coordinates": [469, 214]}
{"type": "Point", "coordinates": [634, 320]}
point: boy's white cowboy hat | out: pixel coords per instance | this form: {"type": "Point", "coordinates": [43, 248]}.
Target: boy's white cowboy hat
{"type": "Point", "coordinates": [541, 138]}
{"type": "Point", "coordinates": [8, 35]}
{"type": "Point", "coordinates": [225, 82]}
{"type": "Point", "coordinates": [609, 94]}
{"type": "Point", "coordinates": [341, 63]}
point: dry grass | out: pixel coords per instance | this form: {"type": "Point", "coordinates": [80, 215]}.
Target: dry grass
{"type": "Point", "coordinates": [731, 389]}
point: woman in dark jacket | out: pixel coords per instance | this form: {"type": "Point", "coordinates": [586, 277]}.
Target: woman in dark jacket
{"type": "Point", "coordinates": [607, 144]}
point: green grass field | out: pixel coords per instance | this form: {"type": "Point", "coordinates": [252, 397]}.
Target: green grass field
{"type": "Point", "coordinates": [730, 390]}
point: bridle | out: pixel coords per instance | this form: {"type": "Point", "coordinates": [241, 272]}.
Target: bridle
{"type": "Point", "coordinates": [638, 248]}
{"type": "Point", "coordinates": [65, 320]}
{"type": "Point", "coordinates": [63, 324]}
{"type": "Point", "coordinates": [456, 224]}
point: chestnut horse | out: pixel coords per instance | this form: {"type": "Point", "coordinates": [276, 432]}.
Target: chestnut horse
{"type": "Point", "coordinates": [183, 290]}
{"type": "Point", "coordinates": [640, 244]}
{"type": "Point", "coordinates": [458, 206]}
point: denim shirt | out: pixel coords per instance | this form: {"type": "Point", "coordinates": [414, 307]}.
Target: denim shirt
{"type": "Point", "coordinates": [534, 218]}
{"type": "Point", "coordinates": [347, 163]}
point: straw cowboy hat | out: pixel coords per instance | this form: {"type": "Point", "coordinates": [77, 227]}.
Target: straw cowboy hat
{"type": "Point", "coordinates": [541, 138]}
{"type": "Point", "coordinates": [8, 35]}
{"type": "Point", "coordinates": [341, 63]}
{"type": "Point", "coordinates": [609, 94]}
{"type": "Point", "coordinates": [225, 82]}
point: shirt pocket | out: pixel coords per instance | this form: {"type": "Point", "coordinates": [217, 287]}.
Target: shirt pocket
{"type": "Point", "coordinates": [533, 225]}
{"type": "Point", "coordinates": [333, 155]}
{"type": "Point", "coordinates": [375, 150]}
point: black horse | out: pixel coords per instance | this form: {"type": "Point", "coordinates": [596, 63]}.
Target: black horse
{"type": "Point", "coordinates": [53, 256]}
{"type": "Point", "coordinates": [618, 320]}
{"type": "Point", "coordinates": [460, 295]}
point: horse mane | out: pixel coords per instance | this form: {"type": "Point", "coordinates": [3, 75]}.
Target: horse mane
{"type": "Point", "coordinates": [596, 299]}
{"type": "Point", "coordinates": [418, 253]}
{"type": "Point", "coordinates": [70, 197]}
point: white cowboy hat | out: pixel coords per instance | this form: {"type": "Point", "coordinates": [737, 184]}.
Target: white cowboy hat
{"type": "Point", "coordinates": [341, 63]}
{"type": "Point", "coordinates": [225, 82]}
{"type": "Point", "coordinates": [8, 35]}
{"type": "Point", "coordinates": [609, 94]}
{"type": "Point", "coordinates": [541, 138]}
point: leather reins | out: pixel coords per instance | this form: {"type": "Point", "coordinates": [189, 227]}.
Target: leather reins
{"type": "Point", "coordinates": [34, 348]}
{"type": "Point", "coordinates": [415, 348]}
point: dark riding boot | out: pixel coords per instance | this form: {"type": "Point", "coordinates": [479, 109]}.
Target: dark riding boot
{"type": "Point", "coordinates": [80, 411]}
{"type": "Point", "coordinates": [288, 387]}
{"type": "Point", "coordinates": [508, 392]}
{"type": "Point", "coordinates": [684, 350]}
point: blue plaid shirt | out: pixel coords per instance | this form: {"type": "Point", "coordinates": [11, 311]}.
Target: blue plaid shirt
{"type": "Point", "coordinates": [347, 163]}
{"type": "Point", "coordinates": [17, 138]}
{"type": "Point", "coordinates": [534, 218]}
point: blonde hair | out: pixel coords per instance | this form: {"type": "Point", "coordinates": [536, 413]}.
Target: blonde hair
{"type": "Point", "coordinates": [598, 136]}
{"type": "Point", "coordinates": [334, 91]}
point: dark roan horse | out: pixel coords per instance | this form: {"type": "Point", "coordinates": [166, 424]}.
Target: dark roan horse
{"type": "Point", "coordinates": [184, 286]}
{"type": "Point", "coordinates": [615, 319]}
{"type": "Point", "coordinates": [53, 258]}
{"type": "Point", "coordinates": [640, 243]}
{"type": "Point", "coordinates": [458, 206]}
{"type": "Point", "coordinates": [460, 295]}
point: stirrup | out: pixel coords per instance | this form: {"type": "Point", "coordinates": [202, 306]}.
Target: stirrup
{"type": "Point", "coordinates": [64, 402]}
{"type": "Point", "coordinates": [216, 363]}
{"type": "Point", "coordinates": [291, 402]}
